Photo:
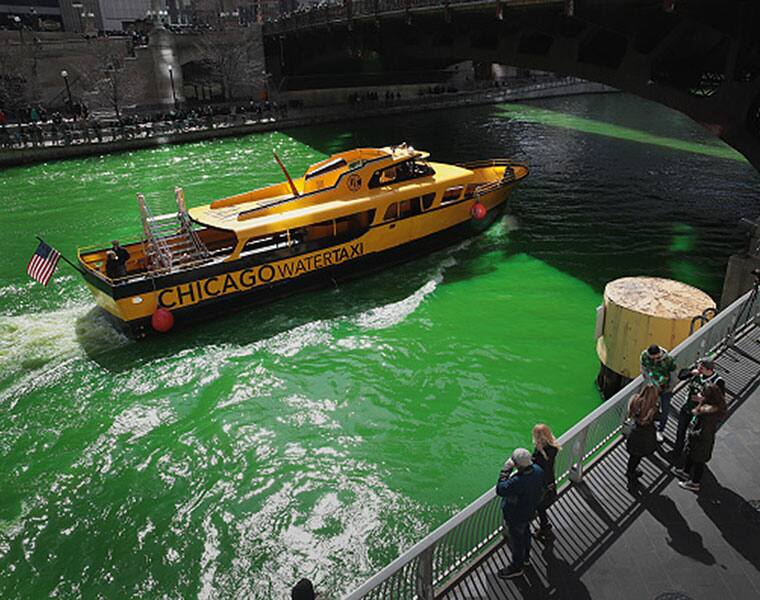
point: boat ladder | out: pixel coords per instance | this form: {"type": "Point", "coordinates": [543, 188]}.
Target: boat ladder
{"type": "Point", "coordinates": [169, 241]}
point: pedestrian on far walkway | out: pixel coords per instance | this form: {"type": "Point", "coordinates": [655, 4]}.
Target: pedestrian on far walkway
{"type": "Point", "coordinates": [700, 437]}
{"type": "Point", "coordinates": [544, 454]}
{"type": "Point", "coordinates": [520, 492]}
{"type": "Point", "coordinates": [656, 368]}
{"type": "Point", "coordinates": [698, 379]}
{"type": "Point", "coordinates": [641, 442]}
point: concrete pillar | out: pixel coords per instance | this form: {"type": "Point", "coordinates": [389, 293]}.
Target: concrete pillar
{"type": "Point", "coordinates": [743, 269]}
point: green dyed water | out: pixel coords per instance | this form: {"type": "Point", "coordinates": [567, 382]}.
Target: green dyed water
{"type": "Point", "coordinates": [322, 435]}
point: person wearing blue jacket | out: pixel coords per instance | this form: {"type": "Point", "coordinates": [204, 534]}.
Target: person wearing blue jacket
{"type": "Point", "coordinates": [520, 492]}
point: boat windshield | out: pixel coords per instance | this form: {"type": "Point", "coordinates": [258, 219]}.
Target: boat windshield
{"type": "Point", "coordinates": [403, 171]}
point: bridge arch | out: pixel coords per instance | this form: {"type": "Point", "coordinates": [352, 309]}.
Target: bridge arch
{"type": "Point", "coordinates": [700, 57]}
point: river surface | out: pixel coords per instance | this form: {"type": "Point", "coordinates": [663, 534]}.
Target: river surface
{"type": "Point", "coordinates": [323, 435]}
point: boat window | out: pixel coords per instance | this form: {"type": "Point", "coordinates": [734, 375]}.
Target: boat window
{"type": "Point", "coordinates": [399, 172]}
{"type": "Point", "coordinates": [427, 200]}
{"type": "Point", "coordinates": [357, 164]}
{"type": "Point", "coordinates": [265, 243]}
{"type": "Point", "coordinates": [326, 168]}
{"type": "Point", "coordinates": [470, 189]}
{"type": "Point", "coordinates": [409, 208]}
{"type": "Point", "coordinates": [353, 225]}
{"type": "Point", "coordinates": [451, 194]}
{"type": "Point", "coordinates": [391, 212]}
{"type": "Point", "coordinates": [318, 231]}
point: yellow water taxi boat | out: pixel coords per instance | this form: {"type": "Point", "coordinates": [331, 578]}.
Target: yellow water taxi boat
{"type": "Point", "coordinates": [358, 211]}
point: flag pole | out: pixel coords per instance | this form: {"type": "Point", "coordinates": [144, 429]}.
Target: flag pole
{"type": "Point", "coordinates": [62, 256]}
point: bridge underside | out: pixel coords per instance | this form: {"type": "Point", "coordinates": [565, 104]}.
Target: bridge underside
{"type": "Point", "coordinates": [702, 58]}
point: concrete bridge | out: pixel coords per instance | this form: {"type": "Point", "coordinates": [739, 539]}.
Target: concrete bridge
{"type": "Point", "coordinates": [700, 57]}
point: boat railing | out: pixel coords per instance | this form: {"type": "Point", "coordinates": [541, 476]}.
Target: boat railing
{"type": "Point", "coordinates": [491, 162]}
{"type": "Point", "coordinates": [431, 566]}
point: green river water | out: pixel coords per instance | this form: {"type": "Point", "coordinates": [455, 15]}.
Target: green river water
{"type": "Point", "coordinates": [323, 435]}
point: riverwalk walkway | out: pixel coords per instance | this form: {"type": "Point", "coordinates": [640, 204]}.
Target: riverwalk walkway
{"type": "Point", "coordinates": [111, 138]}
{"type": "Point", "coordinates": [664, 543]}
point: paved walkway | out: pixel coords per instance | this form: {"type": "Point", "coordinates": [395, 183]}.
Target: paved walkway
{"type": "Point", "coordinates": [664, 543]}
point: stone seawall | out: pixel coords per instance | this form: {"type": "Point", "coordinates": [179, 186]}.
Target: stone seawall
{"type": "Point", "coordinates": [304, 117]}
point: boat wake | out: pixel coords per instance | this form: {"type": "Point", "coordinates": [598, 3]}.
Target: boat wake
{"type": "Point", "coordinates": [33, 346]}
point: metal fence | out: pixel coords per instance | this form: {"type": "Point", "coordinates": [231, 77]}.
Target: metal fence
{"type": "Point", "coordinates": [433, 563]}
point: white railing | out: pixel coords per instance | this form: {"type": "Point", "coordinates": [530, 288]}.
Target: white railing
{"type": "Point", "coordinates": [430, 565]}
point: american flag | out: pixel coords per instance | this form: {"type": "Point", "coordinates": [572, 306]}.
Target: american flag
{"type": "Point", "coordinates": [43, 263]}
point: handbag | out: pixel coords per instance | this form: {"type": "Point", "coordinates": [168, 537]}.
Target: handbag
{"type": "Point", "coordinates": [628, 426]}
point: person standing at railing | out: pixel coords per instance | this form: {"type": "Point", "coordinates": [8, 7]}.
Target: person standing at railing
{"type": "Point", "coordinates": [303, 590]}
{"type": "Point", "coordinates": [520, 493]}
{"type": "Point", "coordinates": [697, 380]}
{"type": "Point", "coordinates": [641, 442]}
{"type": "Point", "coordinates": [700, 438]}
{"type": "Point", "coordinates": [656, 368]}
{"type": "Point", "coordinates": [544, 455]}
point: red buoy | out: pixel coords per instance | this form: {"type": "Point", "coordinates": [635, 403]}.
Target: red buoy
{"type": "Point", "coordinates": [162, 320]}
{"type": "Point", "coordinates": [478, 211]}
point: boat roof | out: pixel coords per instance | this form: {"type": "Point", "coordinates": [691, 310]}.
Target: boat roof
{"type": "Point", "coordinates": [274, 209]}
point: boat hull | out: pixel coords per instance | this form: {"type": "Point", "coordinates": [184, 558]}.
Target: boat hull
{"type": "Point", "coordinates": [223, 287]}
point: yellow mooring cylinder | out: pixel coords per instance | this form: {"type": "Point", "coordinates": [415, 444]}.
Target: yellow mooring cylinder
{"type": "Point", "coordinates": [638, 312]}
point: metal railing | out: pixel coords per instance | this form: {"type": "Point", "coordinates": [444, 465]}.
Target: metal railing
{"type": "Point", "coordinates": [364, 9]}
{"type": "Point", "coordinates": [432, 564]}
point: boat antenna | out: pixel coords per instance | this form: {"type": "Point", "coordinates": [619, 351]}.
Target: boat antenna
{"type": "Point", "coordinates": [284, 170]}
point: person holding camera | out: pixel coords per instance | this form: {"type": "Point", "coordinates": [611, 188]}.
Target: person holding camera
{"type": "Point", "coordinates": [520, 492]}
{"type": "Point", "coordinates": [697, 380]}
{"type": "Point", "coordinates": [700, 439]}
{"type": "Point", "coordinates": [656, 368]}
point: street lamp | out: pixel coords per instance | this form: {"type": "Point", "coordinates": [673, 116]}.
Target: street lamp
{"type": "Point", "coordinates": [17, 21]}
{"type": "Point", "coordinates": [171, 78]}
{"type": "Point", "coordinates": [65, 75]}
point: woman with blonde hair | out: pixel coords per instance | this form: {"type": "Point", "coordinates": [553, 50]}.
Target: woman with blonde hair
{"type": "Point", "coordinates": [642, 441]}
{"type": "Point", "coordinates": [546, 448]}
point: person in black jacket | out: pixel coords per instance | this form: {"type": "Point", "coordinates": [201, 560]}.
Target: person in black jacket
{"type": "Point", "coordinates": [112, 265]}
{"type": "Point", "coordinates": [520, 493]}
{"type": "Point", "coordinates": [303, 590]}
{"type": "Point", "coordinates": [544, 454]}
{"type": "Point", "coordinates": [122, 256]}
{"type": "Point", "coordinates": [641, 442]}
{"type": "Point", "coordinates": [698, 379]}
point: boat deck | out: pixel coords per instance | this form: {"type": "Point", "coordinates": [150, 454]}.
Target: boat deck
{"type": "Point", "coordinates": [666, 543]}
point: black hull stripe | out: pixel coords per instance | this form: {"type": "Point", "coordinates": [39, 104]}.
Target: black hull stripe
{"type": "Point", "coordinates": [316, 279]}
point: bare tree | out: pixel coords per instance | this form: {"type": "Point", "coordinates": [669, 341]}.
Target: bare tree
{"type": "Point", "coordinates": [19, 83]}
{"type": "Point", "coordinates": [233, 59]}
{"type": "Point", "coordinates": [112, 82]}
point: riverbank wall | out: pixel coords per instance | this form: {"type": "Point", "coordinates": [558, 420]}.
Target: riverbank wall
{"type": "Point", "coordinates": [302, 118]}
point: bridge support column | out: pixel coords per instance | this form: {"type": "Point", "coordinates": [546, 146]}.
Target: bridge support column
{"type": "Point", "coordinates": [740, 273]}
